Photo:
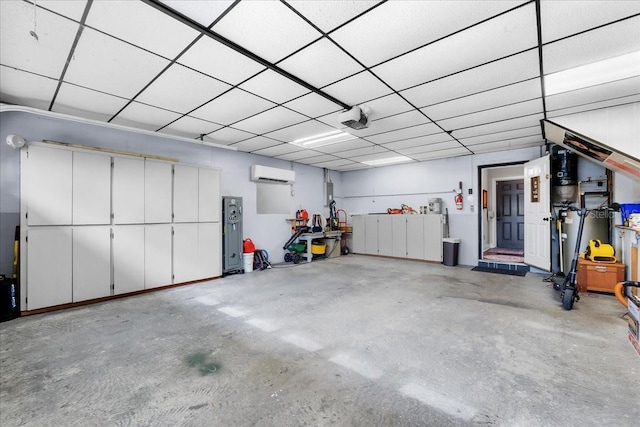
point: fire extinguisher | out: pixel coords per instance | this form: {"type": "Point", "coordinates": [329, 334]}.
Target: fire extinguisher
{"type": "Point", "coordinates": [459, 201]}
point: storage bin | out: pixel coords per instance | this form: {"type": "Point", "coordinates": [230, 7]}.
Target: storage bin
{"type": "Point", "coordinates": [450, 251]}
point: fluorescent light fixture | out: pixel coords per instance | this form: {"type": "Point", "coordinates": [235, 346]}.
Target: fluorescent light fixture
{"type": "Point", "coordinates": [387, 161]}
{"type": "Point", "coordinates": [609, 70]}
{"type": "Point", "coordinates": [323, 139]}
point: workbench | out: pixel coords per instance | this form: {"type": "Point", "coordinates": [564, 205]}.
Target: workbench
{"type": "Point", "coordinates": [309, 237]}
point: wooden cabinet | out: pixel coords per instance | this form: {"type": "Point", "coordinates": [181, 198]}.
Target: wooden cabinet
{"type": "Point", "coordinates": [599, 276]}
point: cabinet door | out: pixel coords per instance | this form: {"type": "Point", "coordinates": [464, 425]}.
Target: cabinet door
{"type": "Point", "coordinates": [433, 238]}
{"type": "Point", "coordinates": [209, 250]}
{"type": "Point", "coordinates": [371, 236]}
{"type": "Point", "coordinates": [48, 267]}
{"type": "Point", "coordinates": [91, 188]}
{"type": "Point", "coordinates": [186, 263]}
{"type": "Point", "coordinates": [185, 194]}
{"type": "Point", "coordinates": [415, 239]}
{"type": "Point", "coordinates": [209, 201]}
{"type": "Point", "coordinates": [399, 225]}
{"type": "Point", "coordinates": [357, 222]}
{"type": "Point", "coordinates": [157, 255]}
{"type": "Point", "coordinates": [128, 258]}
{"type": "Point", "coordinates": [91, 262]}
{"type": "Point", "coordinates": [157, 192]}
{"type": "Point", "coordinates": [385, 235]}
{"type": "Point", "coordinates": [47, 185]}
{"type": "Point", "coordinates": [128, 191]}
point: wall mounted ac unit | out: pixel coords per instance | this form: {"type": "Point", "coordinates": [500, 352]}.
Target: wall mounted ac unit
{"type": "Point", "coordinates": [274, 175]}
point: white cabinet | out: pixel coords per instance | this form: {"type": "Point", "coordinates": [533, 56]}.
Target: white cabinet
{"type": "Point", "coordinates": [91, 262]}
{"type": "Point", "coordinates": [128, 190]}
{"type": "Point", "coordinates": [91, 188]}
{"type": "Point", "coordinates": [157, 255]}
{"type": "Point", "coordinates": [371, 234]}
{"type": "Point", "coordinates": [185, 194]}
{"type": "Point", "coordinates": [358, 234]}
{"type": "Point", "coordinates": [157, 192]}
{"type": "Point", "coordinates": [433, 237]}
{"type": "Point", "coordinates": [128, 258]}
{"type": "Point", "coordinates": [209, 200]}
{"type": "Point", "coordinates": [385, 235]}
{"type": "Point", "coordinates": [415, 236]}
{"type": "Point", "coordinates": [49, 267]}
{"type": "Point", "coordinates": [209, 250]}
{"type": "Point", "coordinates": [399, 236]}
{"type": "Point", "coordinates": [185, 253]}
{"type": "Point", "coordinates": [47, 185]}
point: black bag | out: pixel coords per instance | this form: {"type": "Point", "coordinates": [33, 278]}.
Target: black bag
{"type": "Point", "coordinates": [9, 298]}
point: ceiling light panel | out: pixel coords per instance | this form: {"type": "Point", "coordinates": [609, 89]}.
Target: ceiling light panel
{"type": "Point", "coordinates": [555, 24]}
{"type": "Point", "coordinates": [612, 90]}
{"type": "Point", "coordinates": [81, 102]}
{"type": "Point", "coordinates": [18, 48]}
{"type": "Point", "coordinates": [103, 63]}
{"type": "Point", "coordinates": [399, 26]}
{"type": "Point", "coordinates": [278, 150]}
{"type": "Point", "coordinates": [219, 61]}
{"type": "Point", "coordinates": [320, 64]}
{"type": "Point", "coordinates": [594, 106]}
{"type": "Point", "coordinates": [228, 135]}
{"type": "Point", "coordinates": [358, 89]}
{"type": "Point", "coordinates": [507, 34]}
{"type": "Point", "coordinates": [328, 15]}
{"type": "Point", "coordinates": [273, 86]}
{"type": "Point", "coordinates": [232, 106]}
{"type": "Point", "coordinates": [502, 136]}
{"type": "Point", "coordinates": [256, 143]}
{"type": "Point", "coordinates": [144, 117]}
{"type": "Point", "coordinates": [505, 95]}
{"type": "Point", "coordinates": [332, 164]}
{"type": "Point", "coordinates": [270, 120]}
{"type": "Point", "coordinates": [313, 105]}
{"type": "Point", "coordinates": [501, 126]}
{"type": "Point", "coordinates": [202, 12]}
{"type": "Point", "coordinates": [141, 25]}
{"type": "Point", "coordinates": [363, 151]}
{"type": "Point", "coordinates": [493, 115]}
{"type": "Point", "coordinates": [21, 88]}
{"type": "Point", "coordinates": [190, 127]}
{"type": "Point", "coordinates": [506, 71]}
{"type": "Point", "coordinates": [399, 121]}
{"type": "Point", "coordinates": [593, 46]}
{"type": "Point", "coordinates": [436, 138]}
{"type": "Point", "coordinates": [304, 130]}
{"type": "Point", "coordinates": [265, 28]}
{"type": "Point", "coordinates": [337, 149]}
{"type": "Point", "coordinates": [385, 161]}
{"type": "Point", "coordinates": [406, 133]}
{"type": "Point", "coordinates": [181, 89]}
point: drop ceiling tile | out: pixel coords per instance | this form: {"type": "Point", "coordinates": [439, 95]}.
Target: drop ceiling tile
{"type": "Point", "coordinates": [219, 61]}
{"type": "Point", "coordinates": [202, 12]}
{"type": "Point", "coordinates": [333, 164]}
{"type": "Point", "coordinates": [318, 159]}
{"type": "Point", "coordinates": [48, 54]}
{"type": "Point", "coordinates": [603, 43]}
{"type": "Point", "coordinates": [273, 86]}
{"type": "Point", "coordinates": [505, 35]}
{"type": "Point", "coordinates": [514, 144]}
{"type": "Point", "coordinates": [229, 135]}
{"type": "Point", "coordinates": [109, 65]}
{"type": "Point", "coordinates": [493, 115]}
{"type": "Point", "coordinates": [313, 105]}
{"type": "Point", "coordinates": [502, 136]}
{"type": "Point", "coordinates": [489, 76]}
{"type": "Point", "coordinates": [269, 29]}
{"type": "Point", "coordinates": [591, 94]}
{"type": "Point", "coordinates": [156, 32]}
{"type": "Point", "coordinates": [435, 138]}
{"type": "Point", "coordinates": [421, 149]}
{"type": "Point", "coordinates": [352, 144]}
{"type": "Point", "coordinates": [357, 89]}
{"type": "Point", "coordinates": [297, 155]}
{"type": "Point", "coordinates": [190, 127]}
{"type": "Point", "coordinates": [505, 125]}
{"type": "Point", "coordinates": [328, 15]}
{"type": "Point", "coordinates": [594, 106]}
{"type": "Point", "coordinates": [256, 143]}
{"type": "Point", "coordinates": [145, 117]}
{"type": "Point", "coordinates": [592, 14]}
{"type": "Point", "coordinates": [270, 120]}
{"type": "Point", "coordinates": [381, 153]}
{"type": "Point", "coordinates": [71, 9]}
{"type": "Point", "coordinates": [529, 89]}
{"type": "Point", "coordinates": [399, 121]}
{"type": "Point", "coordinates": [181, 89]}
{"type": "Point", "coordinates": [365, 153]}
{"type": "Point", "coordinates": [387, 106]}
{"type": "Point", "coordinates": [299, 131]}
{"type": "Point", "coordinates": [332, 120]}
{"type": "Point", "coordinates": [278, 150]}
{"type": "Point", "coordinates": [441, 154]}
{"type": "Point", "coordinates": [81, 102]}
{"type": "Point", "coordinates": [399, 135]}
{"type": "Point", "coordinates": [351, 167]}
{"type": "Point", "coordinates": [22, 88]}
{"type": "Point", "coordinates": [232, 106]}
{"type": "Point", "coordinates": [320, 64]}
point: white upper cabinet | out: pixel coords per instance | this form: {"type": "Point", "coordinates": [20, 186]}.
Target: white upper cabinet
{"type": "Point", "coordinates": [157, 192]}
{"type": "Point", "coordinates": [128, 190]}
{"type": "Point", "coordinates": [209, 201]}
{"type": "Point", "coordinates": [91, 189]}
{"type": "Point", "coordinates": [185, 194]}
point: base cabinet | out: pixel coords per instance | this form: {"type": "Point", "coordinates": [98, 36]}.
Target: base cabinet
{"type": "Point", "coordinates": [598, 276]}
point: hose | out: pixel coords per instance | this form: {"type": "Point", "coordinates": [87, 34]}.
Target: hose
{"type": "Point", "coordinates": [619, 291]}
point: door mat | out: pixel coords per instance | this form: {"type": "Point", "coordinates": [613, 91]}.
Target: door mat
{"type": "Point", "coordinates": [506, 258]}
{"type": "Point", "coordinates": [500, 271]}
{"type": "Point", "coordinates": [505, 251]}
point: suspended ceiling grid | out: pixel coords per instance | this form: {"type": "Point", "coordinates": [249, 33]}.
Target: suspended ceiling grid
{"type": "Point", "coordinates": [442, 78]}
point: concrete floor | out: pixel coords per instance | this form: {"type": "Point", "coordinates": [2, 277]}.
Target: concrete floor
{"type": "Point", "coordinates": [351, 341]}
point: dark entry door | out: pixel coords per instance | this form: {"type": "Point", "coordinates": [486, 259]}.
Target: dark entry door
{"type": "Point", "coordinates": [510, 214]}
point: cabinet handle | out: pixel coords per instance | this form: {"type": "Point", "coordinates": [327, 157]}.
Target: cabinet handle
{"type": "Point", "coordinates": [601, 268]}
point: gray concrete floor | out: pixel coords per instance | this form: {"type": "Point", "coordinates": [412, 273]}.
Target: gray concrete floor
{"type": "Point", "coordinates": [351, 341]}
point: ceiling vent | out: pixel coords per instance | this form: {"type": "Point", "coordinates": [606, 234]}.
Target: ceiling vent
{"type": "Point", "coordinates": [273, 175]}
{"type": "Point", "coordinates": [355, 118]}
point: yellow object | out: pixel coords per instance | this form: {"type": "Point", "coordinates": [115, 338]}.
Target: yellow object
{"type": "Point", "coordinates": [600, 252]}
{"type": "Point", "coordinates": [318, 249]}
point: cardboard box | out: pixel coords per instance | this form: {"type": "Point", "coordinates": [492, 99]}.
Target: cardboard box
{"type": "Point", "coordinates": [634, 322]}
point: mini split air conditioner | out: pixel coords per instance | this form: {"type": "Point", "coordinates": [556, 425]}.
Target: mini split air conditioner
{"type": "Point", "coordinates": [274, 175]}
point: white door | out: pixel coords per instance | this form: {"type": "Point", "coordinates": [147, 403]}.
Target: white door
{"type": "Point", "coordinates": [399, 236]}
{"type": "Point", "coordinates": [185, 194]}
{"type": "Point", "coordinates": [157, 255]}
{"type": "Point", "coordinates": [91, 262]}
{"type": "Point", "coordinates": [91, 188]}
{"type": "Point", "coordinates": [209, 200]}
{"type": "Point", "coordinates": [209, 250]}
{"type": "Point", "coordinates": [48, 267]}
{"type": "Point", "coordinates": [128, 259]}
{"type": "Point", "coordinates": [157, 192]}
{"type": "Point", "coordinates": [432, 236]}
{"type": "Point", "coordinates": [415, 241]}
{"type": "Point", "coordinates": [186, 261]}
{"type": "Point", "coordinates": [385, 235]}
{"type": "Point", "coordinates": [128, 191]}
{"type": "Point", "coordinates": [359, 234]}
{"type": "Point", "coordinates": [371, 236]}
{"type": "Point", "coordinates": [537, 213]}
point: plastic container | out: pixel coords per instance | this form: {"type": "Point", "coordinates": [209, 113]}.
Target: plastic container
{"type": "Point", "coordinates": [9, 308]}
{"type": "Point", "coordinates": [626, 209]}
{"type": "Point", "coordinates": [450, 251]}
{"type": "Point", "coordinates": [248, 262]}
